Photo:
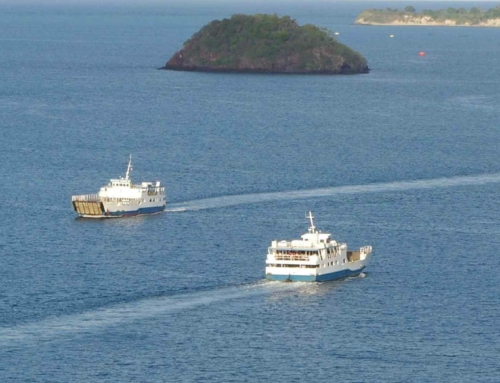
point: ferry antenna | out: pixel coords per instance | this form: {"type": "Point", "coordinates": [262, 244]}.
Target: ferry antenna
{"type": "Point", "coordinates": [312, 229]}
{"type": "Point", "coordinates": [129, 168]}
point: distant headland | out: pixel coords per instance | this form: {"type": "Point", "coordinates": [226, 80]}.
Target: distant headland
{"type": "Point", "coordinates": [266, 44]}
{"type": "Point", "coordinates": [475, 17]}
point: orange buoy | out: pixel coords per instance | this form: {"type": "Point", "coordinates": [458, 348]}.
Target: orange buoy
{"type": "Point", "coordinates": [421, 53]}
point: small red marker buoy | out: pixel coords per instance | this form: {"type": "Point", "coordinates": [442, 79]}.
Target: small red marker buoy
{"type": "Point", "coordinates": [421, 53]}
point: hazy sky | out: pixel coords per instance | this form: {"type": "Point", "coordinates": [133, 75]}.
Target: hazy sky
{"type": "Point", "coordinates": [205, 2]}
{"type": "Point", "coordinates": [403, 3]}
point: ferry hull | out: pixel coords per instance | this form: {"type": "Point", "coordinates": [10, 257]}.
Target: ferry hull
{"type": "Point", "coordinates": [128, 213]}
{"type": "Point", "coordinates": [315, 278]}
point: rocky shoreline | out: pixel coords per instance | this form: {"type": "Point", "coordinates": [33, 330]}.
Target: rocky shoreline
{"type": "Point", "coordinates": [427, 21]}
{"type": "Point", "coordinates": [183, 68]}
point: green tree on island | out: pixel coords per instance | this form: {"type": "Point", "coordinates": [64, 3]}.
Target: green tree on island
{"type": "Point", "coordinates": [459, 16]}
{"type": "Point", "coordinates": [266, 43]}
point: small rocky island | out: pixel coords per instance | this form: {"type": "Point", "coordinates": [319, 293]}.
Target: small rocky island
{"type": "Point", "coordinates": [475, 17]}
{"type": "Point", "coordinates": [266, 44]}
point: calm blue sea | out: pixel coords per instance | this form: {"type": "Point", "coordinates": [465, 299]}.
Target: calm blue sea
{"type": "Point", "coordinates": [405, 158]}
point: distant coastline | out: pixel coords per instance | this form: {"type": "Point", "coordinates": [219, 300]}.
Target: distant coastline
{"type": "Point", "coordinates": [449, 17]}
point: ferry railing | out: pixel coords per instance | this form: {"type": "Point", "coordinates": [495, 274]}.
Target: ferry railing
{"type": "Point", "coordinates": [291, 257]}
{"type": "Point", "coordinates": [156, 191]}
{"type": "Point", "coordinates": [95, 198]}
{"type": "Point", "coordinates": [85, 197]}
{"type": "Point", "coordinates": [366, 249]}
{"type": "Point", "coordinates": [120, 199]}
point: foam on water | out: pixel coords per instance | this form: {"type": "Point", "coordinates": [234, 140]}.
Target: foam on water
{"type": "Point", "coordinates": [224, 201]}
{"type": "Point", "coordinates": [89, 322]}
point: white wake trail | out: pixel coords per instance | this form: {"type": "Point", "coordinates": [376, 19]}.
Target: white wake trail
{"type": "Point", "coordinates": [218, 202]}
{"type": "Point", "coordinates": [90, 322]}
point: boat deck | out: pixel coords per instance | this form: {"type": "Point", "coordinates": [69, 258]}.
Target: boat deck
{"type": "Point", "coordinates": [353, 256]}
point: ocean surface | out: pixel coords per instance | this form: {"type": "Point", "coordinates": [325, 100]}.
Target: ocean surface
{"type": "Point", "coordinates": [405, 158]}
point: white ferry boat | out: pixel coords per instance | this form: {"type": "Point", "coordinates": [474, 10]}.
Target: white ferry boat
{"type": "Point", "coordinates": [122, 198]}
{"type": "Point", "coordinates": [313, 258]}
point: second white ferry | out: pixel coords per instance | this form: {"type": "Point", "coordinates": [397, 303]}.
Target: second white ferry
{"type": "Point", "coordinates": [313, 258]}
{"type": "Point", "coordinates": [122, 198]}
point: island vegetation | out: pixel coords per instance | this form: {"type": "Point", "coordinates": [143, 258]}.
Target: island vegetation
{"type": "Point", "coordinates": [445, 17]}
{"type": "Point", "coordinates": [266, 44]}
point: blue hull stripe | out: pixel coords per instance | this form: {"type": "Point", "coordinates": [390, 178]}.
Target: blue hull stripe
{"type": "Point", "coordinates": [315, 278]}
{"type": "Point", "coordinates": [142, 211]}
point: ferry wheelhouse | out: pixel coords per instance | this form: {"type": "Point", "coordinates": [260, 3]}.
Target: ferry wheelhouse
{"type": "Point", "coordinates": [122, 198]}
{"type": "Point", "coordinates": [313, 258]}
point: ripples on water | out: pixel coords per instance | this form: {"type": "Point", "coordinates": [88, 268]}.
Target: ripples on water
{"type": "Point", "coordinates": [225, 201]}
{"type": "Point", "coordinates": [89, 322]}
{"type": "Point", "coordinates": [404, 159]}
